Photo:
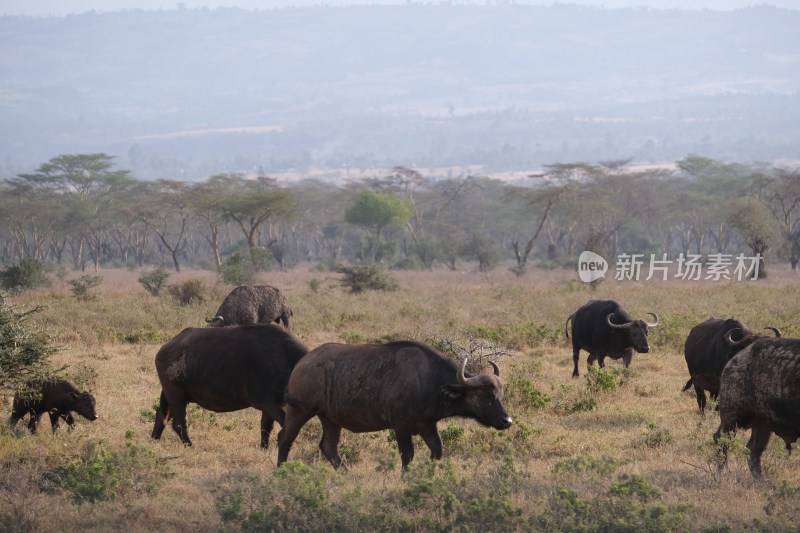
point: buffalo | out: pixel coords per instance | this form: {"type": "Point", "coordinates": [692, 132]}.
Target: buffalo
{"type": "Point", "coordinates": [252, 304]}
{"type": "Point", "coordinates": [708, 348]}
{"type": "Point", "coordinates": [223, 370]}
{"type": "Point", "coordinates": [604, 329]}
{"type": "Point", "coordinates": [57, 397]}
{"type": "Point", "coordinates": [405, 386]}
{"type": "Point", "coordinates": [760, 389]}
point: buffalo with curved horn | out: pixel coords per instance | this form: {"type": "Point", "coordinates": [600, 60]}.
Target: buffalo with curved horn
{"type": "Point", "coordinates": [708, 348]}
{"type": "Point", "coordinates": [405, 386]}
{"type": "Point", "coordinates": [605, 329]}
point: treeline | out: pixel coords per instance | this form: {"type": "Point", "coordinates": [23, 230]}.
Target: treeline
{"type": "Point", "coordinates": [80, 212]}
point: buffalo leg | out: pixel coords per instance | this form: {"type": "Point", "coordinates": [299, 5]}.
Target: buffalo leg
{"type": "Point", "coordinates": [295, 420]}
{"type": "Point", "coordinates": [406, 446]}
{"type": "Point", "coordinates": [34, 420]}
{"type": "Point", "coordinates": [54, 416]}
{"type": "Point", "coordinates": [432, 438]}
{"type": "Point", "coordinates": [329, 444]}
{"type": "Point", "coordinates": [701, 398]}
{"type": "Point", "coordinates": [162, 416]}
{"type": "Point", "coordinates": [270, 412]}
{"type": "Point", "coordinates": [759, 438]}
{"type": "Point", "coordinates": [722, 457]}
{"type": "Point", "coordinates": [626, 360]}
{"type": "Point", "coordinates": [575, 356]}
{"type": "Point", "coordinates": [17, 412]}
{"type": "Point", "coordinates": [177, 401]}
{"type": "Point", "coordinates": [601, 361]}
{"type": "Point", "coordinates": [179, 422]}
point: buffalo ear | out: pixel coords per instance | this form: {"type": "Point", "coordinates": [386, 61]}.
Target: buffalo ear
{"type": "Point", "coordinates": [453, 391]}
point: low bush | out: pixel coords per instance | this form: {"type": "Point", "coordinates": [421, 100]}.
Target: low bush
{"type": "Point", "coordinates": [102, 473]}
{"type": "Point", "coordinates": [191, 291]}
{"type": "Point", "coordinates": [154, 281]}
{"type": "Point", "coordinates": [25, 275]}
{"type": "Point", "coordinates": [82, 287]}
{"type": "Point", "coordinates": [360, 278]}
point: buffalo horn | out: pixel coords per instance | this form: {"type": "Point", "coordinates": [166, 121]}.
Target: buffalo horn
{"type": "Point", "coordinates": [460, 375]}
{"type": "Point", "coordinates": [776, 330]}
{"type": "Point", "coordinates": [729, 338]}
{"type": "Point", "coordinates": [496, 368]}
{"type": "Point", "coordinates": [627, 325]}
{"type": "Point", "coordinates": [654, 324]}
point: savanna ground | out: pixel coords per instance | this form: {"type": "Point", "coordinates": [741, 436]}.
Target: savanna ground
{"type": "Point", "coordinates": [614, 451]}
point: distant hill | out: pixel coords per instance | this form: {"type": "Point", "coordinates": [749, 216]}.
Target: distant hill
{"type": "Point", "coordinates": [187, 93]}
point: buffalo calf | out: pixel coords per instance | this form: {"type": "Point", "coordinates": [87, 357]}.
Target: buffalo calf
{"type": "Point", "coordinates": [55, 396]}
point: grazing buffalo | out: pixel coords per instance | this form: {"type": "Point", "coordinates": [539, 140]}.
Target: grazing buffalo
{"type": "Point", "coordinates": [404, 386]}
{"type": "Point", "coordinates": [760, 389]}
{"type": "Point", "coordinates": [252, 304]}
{"type": "Point", "coordinates": [55, 396]}
{"type": "Point", "coordinates": [604, 329]}
{"type": "Point", "coordinates": [223, 370]}
{"type": "Point", "coordinates": [708, 348]}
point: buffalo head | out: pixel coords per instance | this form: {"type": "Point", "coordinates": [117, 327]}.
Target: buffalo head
{"type": "Point", "coordinates": [747, 339]}
{"type": "Point", "coordinates": [637, 330]}
{"type": "Point", "coordinates": [481, 396]}
{"type": "Point", "coordinates": [84, 405]}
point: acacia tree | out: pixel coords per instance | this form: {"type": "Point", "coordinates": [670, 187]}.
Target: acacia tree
{"type": "Point", "coordinates": [541, 201]}
{"type": "Point", "coordinates": [164, 208]}
{"type": "Point", "coordinates": [748, 216]}
{"type": "Point", "coordinates": [377, 211]}
{"type": "Point", "coordinates": [252, 205]}
{"type": "Point", "coordinates": [780, 192]}
{"type": "Point", "coordinates": [87, 187]}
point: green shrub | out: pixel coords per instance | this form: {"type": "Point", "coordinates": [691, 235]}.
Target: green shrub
{"type": "Point", "coordinates": [584, 404]}
{"type": "Point", "coordinates": [238, 270]}
{"type": "Point", "coordinates": [154, 281]}
{"type": "Point", "coordinates": [24, 348]}
{"type": "Point", "coordinates": [491, 514]}
{"type": "Point", "coordinates": [451, 435]}
{"type": "Point", "coordinates": [601, 379]}
{"type": "Point", "coordinates": [526, 394]}
{"type": "Point", "coordinates": [655, 437]}
{"type": "Point", "coordinates": [189, 292]}
{"type": "Point", "coordinates": [360, 278]}
{"type": "Point", "coordinates": [605, 465]}
{"type": "Point", "coordinates": [82, 287]}
{"type": "Point", "coordinates": [25, 275]}
{"type": "Point", "coordinates": [635, 485]}
{"type": "Point", "coordinates": [103, 474]}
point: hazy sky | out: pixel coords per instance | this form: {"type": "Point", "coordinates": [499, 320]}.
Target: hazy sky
{"type": "Point", "coordinates": [64, 7]}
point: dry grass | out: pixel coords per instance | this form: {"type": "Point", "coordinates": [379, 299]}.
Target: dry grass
{"type": "Point", "coordinates": [644, 427]}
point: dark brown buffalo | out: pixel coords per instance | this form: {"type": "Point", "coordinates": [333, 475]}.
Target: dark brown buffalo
{"type": "Point", "coordinates": [708, 348]}
{"type": "Point", "coordinates": [760, 390]}
{"type": "Point", "coordinates": [252, 304]}
{"type": "Point", "coordinates": [604, 329]}
{"type": "Point", "coordinates": [57, 397]}
{"type": "Point", "coordinates": [404, 386]}
{"type": "Point", "coordinates": [223, 370]}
